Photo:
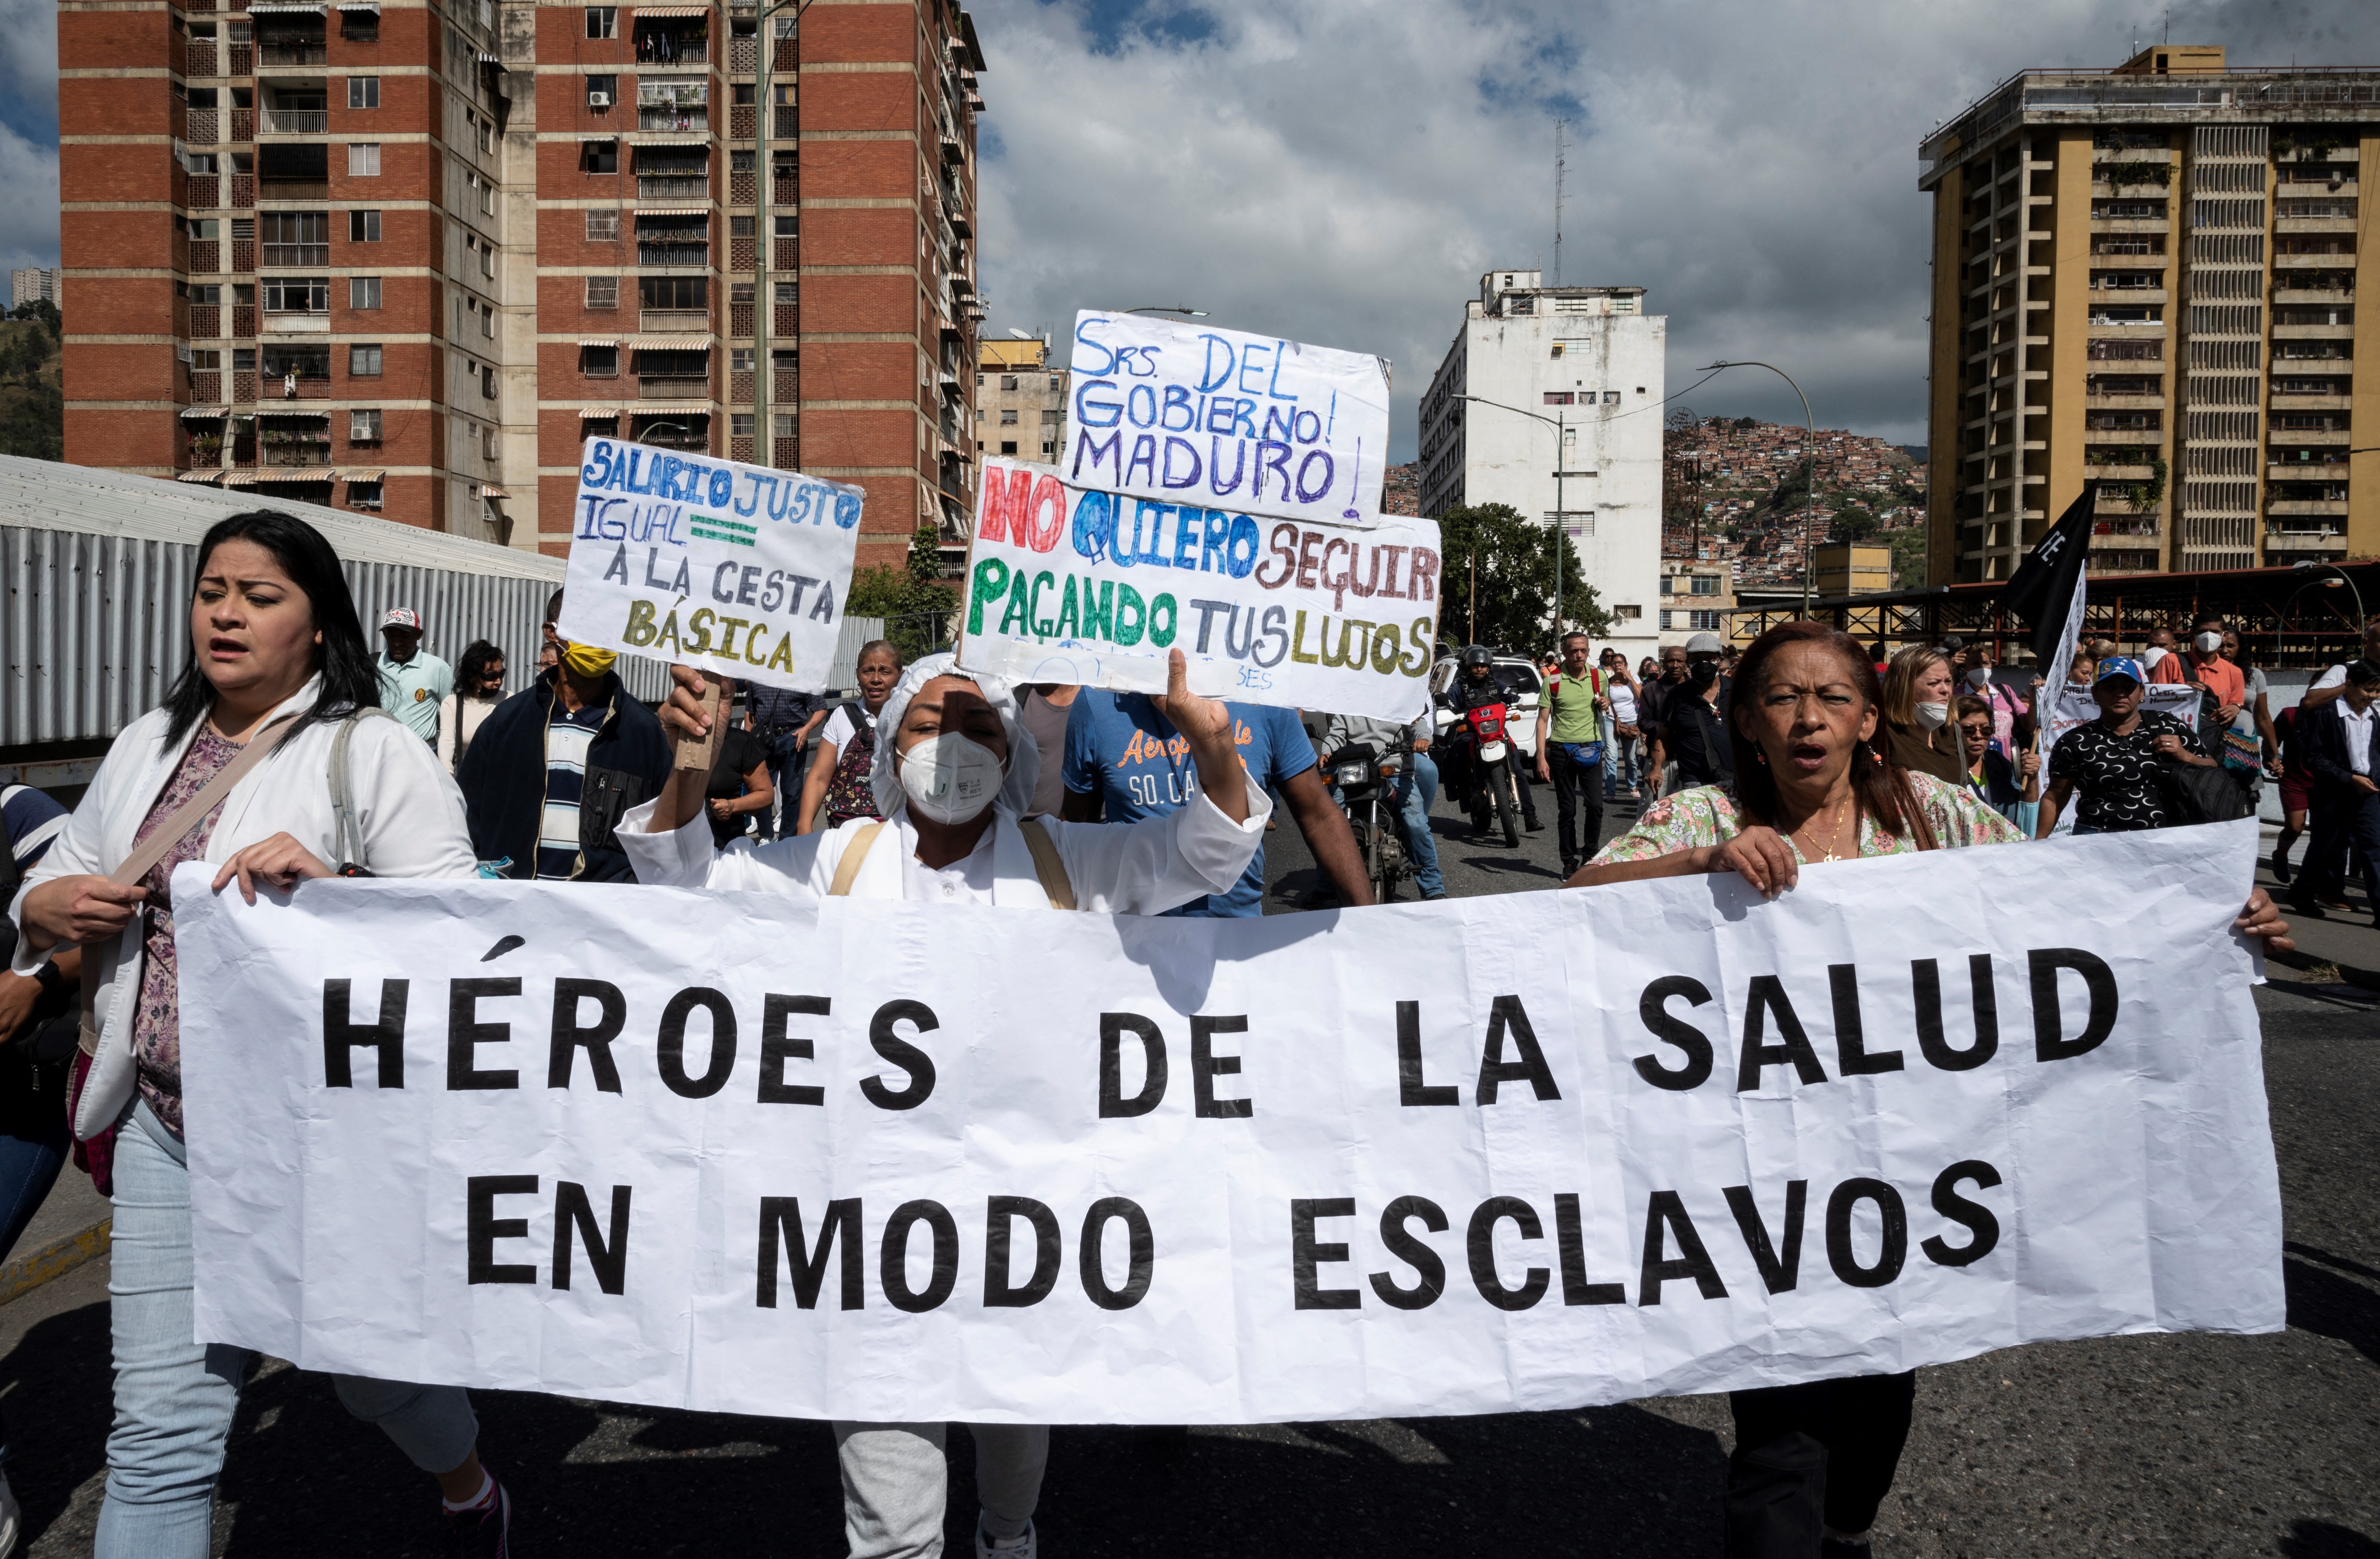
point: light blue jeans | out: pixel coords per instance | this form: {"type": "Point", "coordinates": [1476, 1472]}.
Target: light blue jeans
{"type": "Point", "coordinates": [896, 1483]}
{"type": "Point", "coordinates": [1416, 790]}
{"type": "Point", "coordinates": [174, 1397]}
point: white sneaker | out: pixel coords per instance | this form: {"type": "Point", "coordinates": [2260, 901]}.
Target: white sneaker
{"type": "Point", "coordinates": [1026, 1547]}
{"type": "Point", "coordinates": [12, 1518]}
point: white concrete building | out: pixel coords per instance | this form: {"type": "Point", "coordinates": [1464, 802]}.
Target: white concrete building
{"type": "Point", "coordinates": [1591, 359]}
{"type": "Point", "coordinates": [24, 287]}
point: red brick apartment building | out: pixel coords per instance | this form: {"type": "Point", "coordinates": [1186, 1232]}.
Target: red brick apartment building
{"type": "Point", "coordinates": [401, 256]}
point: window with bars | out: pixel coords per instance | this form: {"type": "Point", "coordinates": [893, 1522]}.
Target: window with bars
{"type": "Point", "coordinates": [602, 291]}
{"type": "Point", "coordinates": [603, 227]}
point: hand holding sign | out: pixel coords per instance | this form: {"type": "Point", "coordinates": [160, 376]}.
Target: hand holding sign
{"type": "Point", "coordinates": [1208, 726]}
{"type": "Point", "coordinates": [695, 714]}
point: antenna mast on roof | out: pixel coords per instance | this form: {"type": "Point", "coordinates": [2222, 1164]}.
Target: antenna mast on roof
{"type": "Point", "coordinates": [1560, 127]}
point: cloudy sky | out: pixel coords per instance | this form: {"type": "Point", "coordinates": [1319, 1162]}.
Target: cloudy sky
{"type": "Point", "coordinates": [1342, 171]}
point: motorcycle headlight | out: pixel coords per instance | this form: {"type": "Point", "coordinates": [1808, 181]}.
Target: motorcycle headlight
{"type": "Point", "coordinates": [1353, 774]}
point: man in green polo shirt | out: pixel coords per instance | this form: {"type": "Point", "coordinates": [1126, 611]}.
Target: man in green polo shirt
{"type": "Point", "coordinates": [1571, 716]}
{"type": "Point", "coordinates": [413, 682]}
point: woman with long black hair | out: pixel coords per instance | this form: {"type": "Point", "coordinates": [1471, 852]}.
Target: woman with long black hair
{"type": "Point", "coordinates": [233, 771]}
{"type": "Point", "coordinates": [1813, 785]}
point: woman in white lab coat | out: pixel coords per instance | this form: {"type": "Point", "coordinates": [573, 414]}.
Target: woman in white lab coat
{"type": "Point", "coordinates": [952, 780]}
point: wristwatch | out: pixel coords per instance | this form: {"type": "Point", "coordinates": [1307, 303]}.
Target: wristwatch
{"type": "Point", "coordinates": [53, 979]}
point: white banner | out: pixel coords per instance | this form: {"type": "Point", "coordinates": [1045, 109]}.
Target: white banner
{"type": "Point", "coordinates": [1170, 410]}
{"type": "Point", "coordinates": [2074, 706]}
{"type": "Point", "coordinates": [889, 1161]}
{"type": "Point", "coordinates": [737, 569]}
{"type": "Point", "coordinates": [1074, 585]}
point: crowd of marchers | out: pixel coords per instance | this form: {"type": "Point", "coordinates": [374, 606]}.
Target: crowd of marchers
{"type": "Point", "coordinates": [276, 760]}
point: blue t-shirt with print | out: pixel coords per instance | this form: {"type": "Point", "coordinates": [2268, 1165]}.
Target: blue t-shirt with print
{"type": "Point", "coordinates": [1120, 748]}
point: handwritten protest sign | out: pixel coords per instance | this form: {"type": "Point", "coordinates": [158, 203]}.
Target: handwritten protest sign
{"type": "Point", "coordinates": [1079, 586]}
{"type": "Point", "coordinates": [1165, 409]}
{"type": "Point", "coordinates": [735, 569]}
{"type": "Point", "coordinates": [916, 1162]}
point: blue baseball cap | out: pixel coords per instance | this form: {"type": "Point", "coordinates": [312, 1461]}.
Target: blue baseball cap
{"type": "Point", "coordinates": [2119, 666]}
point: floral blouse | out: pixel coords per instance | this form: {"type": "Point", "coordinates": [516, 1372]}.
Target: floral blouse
{"type": "Point", "coordinates": [1706, 816]}
{"type": "Point", "coordinates": [157, 1025]}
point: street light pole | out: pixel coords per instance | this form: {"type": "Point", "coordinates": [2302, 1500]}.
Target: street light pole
{"type": "Point", "coordinates": [764, 230]}
{"type": "Point", "coordinates": [2310, 567]}
{"type": "Point", "coordinates": [1562, 510]}
{"type": "Point", "coordinates": [1810, 497]}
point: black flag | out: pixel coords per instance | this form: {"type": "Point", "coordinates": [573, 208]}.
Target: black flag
{"type": "Point", "coordinates": [2043, 587]}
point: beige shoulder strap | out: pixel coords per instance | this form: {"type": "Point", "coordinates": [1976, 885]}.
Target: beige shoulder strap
{"type": "Point", "coordinates": [847, 869]}
{"type": "Point", "coordinates": [1047, 865]}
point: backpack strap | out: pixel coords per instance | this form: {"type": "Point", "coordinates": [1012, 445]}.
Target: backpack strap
{"type": "Point", "coordinates": [347, 834]}
{"type": "Point", "coordinates": [1047, 866]}
{"type": "Point", "coordinates": [847, 869]}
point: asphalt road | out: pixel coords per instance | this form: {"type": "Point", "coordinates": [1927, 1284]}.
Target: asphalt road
{"type": "Point", "coordinates": [2164, 1445]}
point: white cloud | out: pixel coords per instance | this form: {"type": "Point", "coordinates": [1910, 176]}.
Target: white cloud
{"type": "Point", "coordinates": [1342, 172]}
{"type": "Point", "coordinates": [29, 133]}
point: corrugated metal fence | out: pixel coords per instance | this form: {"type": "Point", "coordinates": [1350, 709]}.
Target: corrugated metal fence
{"type": "Point", "coordinates": [93, 628]}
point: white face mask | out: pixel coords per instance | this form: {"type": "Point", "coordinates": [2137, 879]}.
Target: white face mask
{"type": "Point", "coordinates": [951, 777]}
{"type": "Point", "coordinates": [1933, 717]}
{"type": "Point", "coordinates": [2208, 643]}
{"type": "Point", "coordinates": [1977, 676]}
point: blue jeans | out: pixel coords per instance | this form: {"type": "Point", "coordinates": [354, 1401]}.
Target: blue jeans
{"type": "Point", "coordinates": [174, 1397]}
{"type": "Point", "coordinates": [786, 762]}
{"type": "Point", "coordinates": [1416, 790]}
{"type": "Point", "coordinates": [33, 1141]}
{"type": "Point", "coordinates": [1619, 764]}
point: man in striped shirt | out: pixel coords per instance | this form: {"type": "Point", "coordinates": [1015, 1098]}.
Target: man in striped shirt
{"type": "Point", "coordinates": [554, 767]}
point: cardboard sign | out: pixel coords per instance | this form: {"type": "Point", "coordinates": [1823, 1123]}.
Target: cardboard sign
{"type": "Point", "coordinates": [1076, 584]}
{"type": "Point", "coordinates": [1169, 410]}
{"type": "Point", "coordinates": [735, 569]}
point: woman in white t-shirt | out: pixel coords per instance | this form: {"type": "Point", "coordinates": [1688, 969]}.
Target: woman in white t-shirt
{"type": "Point", "coordinates": [1622, 686]}
{"type": "Point", "coordinates": [479, 688]}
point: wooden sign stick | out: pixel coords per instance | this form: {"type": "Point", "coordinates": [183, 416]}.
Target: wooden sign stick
{"type": "Point", "coordinates": [702, 751]}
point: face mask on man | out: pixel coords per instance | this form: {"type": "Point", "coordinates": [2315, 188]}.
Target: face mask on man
{"type": "Point", "coordinates": [950, 778]}
{"type": "Point", "coordinates": [2208, 643]}
{"type": "Point", "coordinates": [587, 660]}
{"type": "Point", "coordinates": [1933, 717]}
{"type": "Point", "coordinates": [1978, 675]}
{"type": "Point", "coordinates": [1704, 674]}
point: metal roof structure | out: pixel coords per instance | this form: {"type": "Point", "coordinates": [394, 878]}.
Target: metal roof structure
{"type": "Point", "coordinates": [48, 495]}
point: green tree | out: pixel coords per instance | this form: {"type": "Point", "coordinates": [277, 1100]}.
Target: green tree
{"type": "Point", "coordinates": [1853, 521]}
{"type": "Point", "coordinates": [1516, 560]}
{"type": "Point", "coordinates": [915, 603]}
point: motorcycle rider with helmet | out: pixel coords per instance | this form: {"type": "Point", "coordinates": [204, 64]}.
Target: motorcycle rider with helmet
{"type": "Point", "coordinates": [1477, 682]}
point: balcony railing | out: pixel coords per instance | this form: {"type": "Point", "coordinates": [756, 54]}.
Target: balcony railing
{"type": "Point", "coordinates": [297, 121]}
{"type": "Point", "coordinates": [683, 54]}
{"type": "Point", "coordinates": [290, 53]}
{"type": "Point", "coordinates": [673, 387]}
{"type": "Point", "coordinates": [297, 455]}
{"type": "Point", "coordinates": [673, 321]}
{"type": "Point", "coordinates": [674, 254]}
{"type": "Point", "coordinates": [686, 121]}
{"type": "Point", "coordinates": [293, 189]}
{"type": "Point", "coordinates": [202, 123]}
{"type": "Point", "coordinates": [206, 321]}
{"type": "Point", "coordinates": [297, 254]}
{"type": "Point", "coordinates": [277, 388]}
{"type": "Point", "coordinates": [673, 187]}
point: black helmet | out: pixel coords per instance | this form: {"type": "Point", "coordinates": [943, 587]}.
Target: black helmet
{"type": "Point", "coordinates": [1476, 658]}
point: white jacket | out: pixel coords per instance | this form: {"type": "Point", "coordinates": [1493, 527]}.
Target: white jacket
{"type": "Point", "coordinates": [1141, 868]}
{"type": "Point", "coordinates": [407, 806]}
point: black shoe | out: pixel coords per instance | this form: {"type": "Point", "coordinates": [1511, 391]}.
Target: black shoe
{"type": "Point", "coordinates": [1534, 827]}
{"type": "Point", "coordinates": [481, 1534]}
{"type": "Point", "coordinates": [2280, 864]}
{"type": "Point", "coordinates": [2307, 908]}
{"type": "Point", "coordinates": [1433, 898]}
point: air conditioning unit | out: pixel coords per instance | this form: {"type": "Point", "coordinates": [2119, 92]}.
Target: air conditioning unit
{"type": "Point", "coordinates": [599, 100]}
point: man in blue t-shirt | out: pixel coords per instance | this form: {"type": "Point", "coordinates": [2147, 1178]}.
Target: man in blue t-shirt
{"type": "Point", "coordinates": [1125, 762]}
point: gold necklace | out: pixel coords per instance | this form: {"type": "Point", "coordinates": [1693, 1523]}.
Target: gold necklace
{"type": "Point", "coordinates": [1834, 834]}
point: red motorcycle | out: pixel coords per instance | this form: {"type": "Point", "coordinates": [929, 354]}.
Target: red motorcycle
{"type": "Point", "coordinates": [1491, 771]}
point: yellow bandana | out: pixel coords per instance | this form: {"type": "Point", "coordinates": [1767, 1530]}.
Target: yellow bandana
{"type": "Point", "coordinates": [586, 661]}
